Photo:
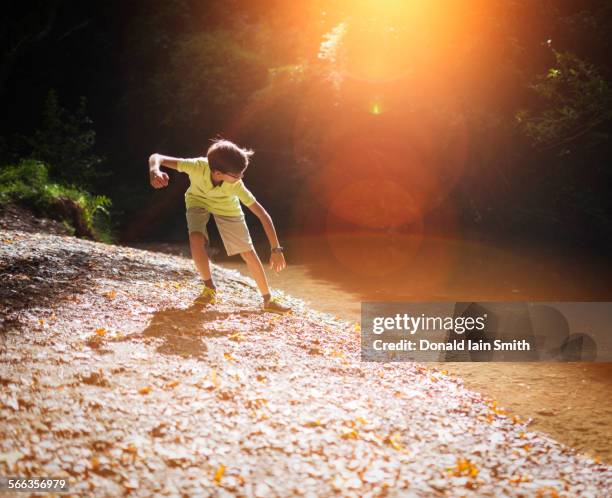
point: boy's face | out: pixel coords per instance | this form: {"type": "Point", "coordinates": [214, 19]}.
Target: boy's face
{"type": "Point", "coordinates": [227, 177]}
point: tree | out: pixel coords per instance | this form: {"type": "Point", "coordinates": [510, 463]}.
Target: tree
{"type": "Point", "coordinates": [577, 100]}
{"type": "Point", "coordinates": [65, 141]}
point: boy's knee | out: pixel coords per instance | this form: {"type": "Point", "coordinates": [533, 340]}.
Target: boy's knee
{"type": "Point", "coordinates": [197, 239]}
{"type": "Point", "coordinates": [196, 236]}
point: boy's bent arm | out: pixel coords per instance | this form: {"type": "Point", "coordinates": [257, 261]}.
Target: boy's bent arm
{"type": "Point", "coordinates": [259, 211]}
{"type": "Point", "coordinates": [158, 178]}
{"type": "Point", "coordinates": [157, 160]}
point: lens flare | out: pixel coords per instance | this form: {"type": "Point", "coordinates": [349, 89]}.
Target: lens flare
{"type": "Point", "coordinates": [376, 107]}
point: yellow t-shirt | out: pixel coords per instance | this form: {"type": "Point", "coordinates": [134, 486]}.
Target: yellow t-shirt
{"type": "Point", "coordinates": [223, 199]}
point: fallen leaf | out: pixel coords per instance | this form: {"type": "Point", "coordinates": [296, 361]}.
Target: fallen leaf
{"type": "Point", "coordinates": [219, 473]}
{"type": "Point", "coordinates": [94, 341]}
{"type": "Point", "coordinates": [519, 479]}
{"type": "Point", "coordinates": [546, 492]}
{"type": "Point", "coordinates": [464, 467]}
{"type": "Point", "coordinates": [352, 434]}
{"type": "Point", "coordinates": [130, 448]}
{"type": "Point", "coordinates": [394, 441]}
{"type": "Point", "coordinates": [214, 378]}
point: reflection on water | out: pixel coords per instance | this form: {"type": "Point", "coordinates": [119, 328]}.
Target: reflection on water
{"type": "Point", "coordinates": [373, 268]}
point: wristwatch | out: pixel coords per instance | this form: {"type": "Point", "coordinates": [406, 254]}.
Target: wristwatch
{"type": "Point", "coordinates": [278, 249]}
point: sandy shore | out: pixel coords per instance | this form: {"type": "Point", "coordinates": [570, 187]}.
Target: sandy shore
{"type": "Point", "coordinates": [119, 380]}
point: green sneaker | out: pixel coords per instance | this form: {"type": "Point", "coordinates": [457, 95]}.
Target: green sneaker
{"type": "Point", "coordinates": [208, 296]}
{"type": "Point", "coordinates": [273, 306]}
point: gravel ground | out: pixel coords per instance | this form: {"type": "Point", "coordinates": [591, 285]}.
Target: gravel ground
{"type": "Point", "coordinates": [111, 376]}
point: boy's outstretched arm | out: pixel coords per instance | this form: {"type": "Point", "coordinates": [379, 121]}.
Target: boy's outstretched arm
{"type": "Point", "coordinates": [277, 260]}
{"type": "Point", "coordinates": [157, 177]}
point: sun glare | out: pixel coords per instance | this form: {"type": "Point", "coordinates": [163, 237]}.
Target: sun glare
{"type": "Point", "coordinates": [379, 125]}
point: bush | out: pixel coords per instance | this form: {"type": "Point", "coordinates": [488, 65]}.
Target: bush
{"type": "Point", "coordinates": [28, 183]}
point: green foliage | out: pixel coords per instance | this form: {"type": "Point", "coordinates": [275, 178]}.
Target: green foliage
{"type": "Point", "coordinates": [211, 74]}
{"type": "Point", "coordinates": [65, 141]}
{"type": "Point", "coordinates": [28, 183]}
{"type": "Point", "coordinates": [578, 99]}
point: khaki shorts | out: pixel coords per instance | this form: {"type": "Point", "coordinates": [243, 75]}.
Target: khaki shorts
{"type": "Point", "coordinates": [233, 229]}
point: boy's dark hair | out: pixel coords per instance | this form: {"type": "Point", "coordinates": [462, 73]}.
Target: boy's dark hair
{"type": "Point", "coordinates": [227, 157]}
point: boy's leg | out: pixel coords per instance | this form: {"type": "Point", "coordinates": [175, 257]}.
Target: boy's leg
{"type": "Point", "coordinates": [197, 242]}
{"type": "Point", "coordinates": [237, 240]}
{"type": "Point", "coordinates": [258, 273]}
{"type": "Point", "coordinates": [197, 218]}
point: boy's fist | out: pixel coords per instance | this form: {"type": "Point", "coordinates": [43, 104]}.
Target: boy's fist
{"type": "Point", "coordinates": [159, 179]}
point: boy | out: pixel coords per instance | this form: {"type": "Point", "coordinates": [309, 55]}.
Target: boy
{"type": "Point", "coordinates": [217, 188]}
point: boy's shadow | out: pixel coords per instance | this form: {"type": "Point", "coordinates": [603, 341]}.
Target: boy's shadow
{"type": "Point", "coordinates": [184, 330]}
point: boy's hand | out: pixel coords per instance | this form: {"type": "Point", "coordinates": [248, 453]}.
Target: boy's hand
{"type": "Point", "coordinates": [158, 178]}
{"type": "Point", "coordinates": [277, 261]}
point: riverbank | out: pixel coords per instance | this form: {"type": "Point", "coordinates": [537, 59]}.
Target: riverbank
{"type": "Point", "coordinates": [116, 378]}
